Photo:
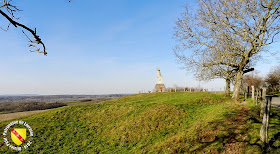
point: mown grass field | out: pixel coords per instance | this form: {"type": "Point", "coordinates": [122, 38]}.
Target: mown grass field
{"type": "Point", "coordinates": [153, 123]}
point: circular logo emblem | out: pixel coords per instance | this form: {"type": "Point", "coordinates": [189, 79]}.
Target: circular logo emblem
{"type": "Point", "coordinates": [16, 135]}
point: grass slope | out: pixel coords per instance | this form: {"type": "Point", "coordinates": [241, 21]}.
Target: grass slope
{"type": "Point", "coordinates": [156, 122]}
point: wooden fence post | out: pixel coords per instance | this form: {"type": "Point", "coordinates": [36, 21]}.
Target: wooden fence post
{"type": "Point", "coordinates": [248, 90]}
{"type": "Point", "coordinates": [265, 123]}
{"type": "Point", "coordinates": [257, 96]}
{"type": "Point", "coordinates": [253, 94]}
{"type": "Point", "coordinates": [262, 101]}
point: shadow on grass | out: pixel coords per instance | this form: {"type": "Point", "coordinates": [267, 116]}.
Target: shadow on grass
{"type": "Point", "coordinates": [239, 133]}
{"type": "Point", "coordinates": [274, 138]}
{"type": "Point", "coordinates": [223, 135]}
{"type": "Point", "coordinates": [255, 120]}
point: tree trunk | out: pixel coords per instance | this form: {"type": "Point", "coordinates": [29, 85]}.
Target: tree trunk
{"type": "Point", "coordinates": [274, 89]}
{"type": "Point", "coordinates": [237, 85]}
{"type": "Point", "coordinates": [227, 87]}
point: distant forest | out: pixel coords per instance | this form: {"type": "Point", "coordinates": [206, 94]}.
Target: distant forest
{"type": "Point", "coordinates": [12, 104]}
{"type": "Point", "coordinates": [54, 98]}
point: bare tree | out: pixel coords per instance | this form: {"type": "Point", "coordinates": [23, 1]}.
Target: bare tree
{"type": "Point", "coordinates": [224, 72]}
{"type": "Point", "coordinates": [273, 79]}
{"type": "Point", "coordinates": [204, 69]}
{"type": "Point", "coordinates": [210, 63]}
{"type": "Point", "coordinates": [253, 79]}
{"type": "Point", "coordinates": [8, 10]}
{"type": "Point", "coordinates": [236, 30]}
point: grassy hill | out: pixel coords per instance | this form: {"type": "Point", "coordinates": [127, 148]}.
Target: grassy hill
{"type": "Point", "coordinates": [156, 122]}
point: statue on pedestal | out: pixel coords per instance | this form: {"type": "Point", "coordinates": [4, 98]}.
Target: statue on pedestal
{"type": "Point", "coordinates": [159, 87]}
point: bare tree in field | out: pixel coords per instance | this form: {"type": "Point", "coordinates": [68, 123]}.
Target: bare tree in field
{"type": "Point", "coordinates": [243, 28]}
{"type": "Point", "coordinates": [8, 11]}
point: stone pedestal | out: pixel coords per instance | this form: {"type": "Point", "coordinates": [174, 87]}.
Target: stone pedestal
{"type": "Point", "coordinates": [159, 88]}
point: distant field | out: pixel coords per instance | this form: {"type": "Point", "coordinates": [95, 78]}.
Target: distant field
{"type": "Point", "coordinates": [9, 116]}
{"type": "Point", "coordinates": [151, 123]}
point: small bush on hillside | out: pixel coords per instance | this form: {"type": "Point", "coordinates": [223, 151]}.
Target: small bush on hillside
{"type": "Point", "coordinates": [85, 100]}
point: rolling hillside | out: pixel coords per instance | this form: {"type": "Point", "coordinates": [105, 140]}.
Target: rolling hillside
{"type": "Point", "coordinates": [156, 122]}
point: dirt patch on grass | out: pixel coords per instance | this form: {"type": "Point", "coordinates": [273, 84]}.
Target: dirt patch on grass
{"type": "Point", "coordinates": [233, 148]}
{"type": "Point", "coordinates": [237, 134]}
{"type": "Point", "coordinates": [231, 132]}
{"type": "Point", "coordinates": [244, 103]}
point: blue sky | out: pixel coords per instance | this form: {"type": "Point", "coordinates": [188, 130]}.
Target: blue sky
{"type": "Point", "coordinates": [95, 47]}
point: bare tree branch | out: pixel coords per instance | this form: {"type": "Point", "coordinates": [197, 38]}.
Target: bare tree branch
{"type": "Point", "coordinates": [9, 15]}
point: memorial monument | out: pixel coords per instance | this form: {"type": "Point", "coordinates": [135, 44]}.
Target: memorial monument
{"type": "Point", "coordinates": [159, 87]}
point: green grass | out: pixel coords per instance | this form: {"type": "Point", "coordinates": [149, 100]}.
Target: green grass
{"type": "Point", "coordinates": [153, 123]}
